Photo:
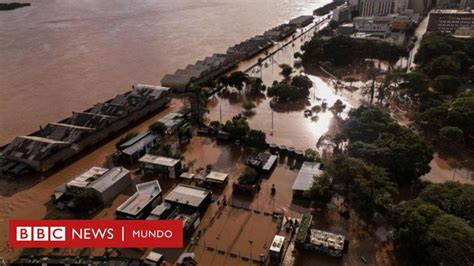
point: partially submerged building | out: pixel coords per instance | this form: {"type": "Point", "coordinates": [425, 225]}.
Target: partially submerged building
{"type": "Point", "coordinates": [58, 142]}
{"type": "Point", "coordinates": [140, 204]}
{"type": "Point", "coordinates": [217, 178]}
{"type": "Point", "coordinates": [159, 165]}
{"type": "Point", "coordinates": [135, 148]}
{"type": "Point", "coordinates": [104, 184]}
{"type": "Point", "coordinates": [172, 121]}
{"type": "Point", "coordinates": [305, 178]}
{"type": "Point", "coordinates": [189, 199]}
{"type": "Point", "coordinates": [301, 21]}
{"type": "Point", "coordinates": [308, 238]}
{"type": "Point", "coordinates": [264, 162]}
{"type": "Point", "coordinates": [200, 72]}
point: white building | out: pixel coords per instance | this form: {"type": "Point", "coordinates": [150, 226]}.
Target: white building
{"type": "Point", "coordinates": [382, 7]}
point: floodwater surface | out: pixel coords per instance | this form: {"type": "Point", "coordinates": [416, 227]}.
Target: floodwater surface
{"type": "Point", "coordinates": [59, 56]}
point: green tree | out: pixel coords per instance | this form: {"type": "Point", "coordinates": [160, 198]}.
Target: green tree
{"type": "Point", "coordinates": [238, 79]}
{"type": "Point", "coordinates": [238, 126]}
{"type": "Point", "coordinates": [425, 235]}
{"type": "Point", "coordinates": [452, 197]}
{"type": "Point", "coordinates": [452, 133]}
{"type": "Point", "coordinates": [301, 82]}
{"type": "Point", "coordinates": [446, 84]}
{"type": "Point", "coordinates": [216, 125]}
{"type": "Point", "coordinates": [256, 86]}
{"type": "Point", "coordinates": [257, 138]}
{"type": "Point", "coordinates": [320, 190]}
{"type": "Point", "coordinates": [375, 137]}
{"type": "Point", "coordinates": [338, 107]}
{"type": "Point", "coordinates": [249, 176]}
{"type": "Point", "coordinates": [286, 71]}
{"type": "Point", "coordinates": [185, 134]}
{"type": "Point", "coordinates": [248, 105]}
{"type": "Point", "coordinates": [311, 155]}
{"type": "Point", "coordinates": [333, 24]}
{"type": "Point", "coordinates": [366, 185]}
{"type": "Point", "coordinates": [158, 128]}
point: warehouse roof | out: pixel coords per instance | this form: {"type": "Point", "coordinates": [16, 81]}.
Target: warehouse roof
{"type": "Point", "coordinates": [189, 195]}
{"type": "Point", "coordinates": [306, 175]}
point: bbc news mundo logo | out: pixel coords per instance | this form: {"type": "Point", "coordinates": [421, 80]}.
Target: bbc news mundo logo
{"type": "Point", "coordinates": [95, 234]}
{"type": "Point", "coordinates": [40, 233]}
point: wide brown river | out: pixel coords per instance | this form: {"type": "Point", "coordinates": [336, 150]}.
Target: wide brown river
{"type": "Point", "coordinates": [59, 56]}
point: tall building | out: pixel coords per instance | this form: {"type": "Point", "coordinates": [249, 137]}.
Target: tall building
{"type": "Point", "coordinates": [449, 20]}
{"type": "Point", "coordinates": [400, 6]}
{"type": "Point", "coordinates": [420, 6]}
{"type": "Point", "coordinates": [466, 4]}
{"type": "Point", "coordinates": [368, 8]}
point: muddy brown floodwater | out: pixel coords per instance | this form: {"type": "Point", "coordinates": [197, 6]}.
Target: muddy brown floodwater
{"type": "Point", "coordinates": [66, 44]}
{"type": "Point", "coordinates": [59, 56]}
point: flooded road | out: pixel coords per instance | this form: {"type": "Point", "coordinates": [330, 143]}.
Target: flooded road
{"type": "Point", "coordinates": [60, 56]}
{"type": "Point", "coordinates": [290, 126]}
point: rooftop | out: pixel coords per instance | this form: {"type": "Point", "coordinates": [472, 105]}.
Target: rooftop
{"type": "Point", "coordinates": [159, 160]}
{"type": "Point", "coordinates": [452, 11]}
{"type": "Point", "coordinates": [89, 120]}
{"type": "Point", "coordinates": [305, 177]}
{"type": "Point", "coordinates": [109, 178]}
{"type": "Point", "coordinates": [137, 143]}
{"type": "Point", "coordinates": [327, 239]}
{"type": "Point", "coordinates": [158, 211]}
{"type": "Point", "coordinates": [109, 109]}
{"type": "Point", "coordinates": [85, 178]}
{"type": "Point", "coordinates": [146, 192]}
{"type": "Point", "coordinates": [219, 177]}
{"type": "Point", "coordinates": [33, 148]}
{"type": "Point", "coordinates": [277, 243]}
{"type": "Point", "coordinates": [64, 132]}
{"type": "Point", "coordinates": [301, 19]}
{"type": "Point", "coordinates": [172, 119]}
{"type": "Point", "coordinates": [189, 195]}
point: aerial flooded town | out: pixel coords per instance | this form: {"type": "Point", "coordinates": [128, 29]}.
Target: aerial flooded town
{"type": "Point", "coordinates": [271, 132]}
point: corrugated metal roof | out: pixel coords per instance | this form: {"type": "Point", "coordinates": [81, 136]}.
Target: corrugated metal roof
{"type": "Point", "coordinates": [189, 195]}
{"type": "Point", "coordinates": [305, 177]}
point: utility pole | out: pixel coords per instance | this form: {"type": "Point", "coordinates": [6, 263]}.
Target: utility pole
{"type": "Point", "coordinates": [271, 132]}
{"type": "Point", "coordinates": [220, 112]}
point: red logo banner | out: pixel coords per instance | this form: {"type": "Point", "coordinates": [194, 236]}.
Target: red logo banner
{"type": "Point", "coordinates": [96, 233]}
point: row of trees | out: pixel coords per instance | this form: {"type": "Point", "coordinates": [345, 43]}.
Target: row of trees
{"type": "Point", "coordinates": [240, 80]}
{"type": "Point", "coordinates": [343, 50]}
{"type": "Point", "coordinates": [238, 127]}
{"type": "Point", "coordinates": [443, 64]}
{"type": "Point", "coordinates": [442, 54]}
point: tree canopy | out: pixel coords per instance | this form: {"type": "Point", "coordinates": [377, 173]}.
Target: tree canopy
{"type": "Point", "coordinates": [452, 197]}
{"type": "Point", "coordinates": [238, 126]}
{"type": "Point", "coordinates": [249, 176]}
{"type": "Point", "coordinates": [375, 137]}
{"type": "Point", "coordinates": [343, 50]}
{"type": "Point", "coordinates": [444, 118]}
{"type": "Point", "coordinates": [289, 91]}
{"type": "Point", "coordinates": [366, 185]}
{"type": "Point", "coordinates": [426, 235]}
